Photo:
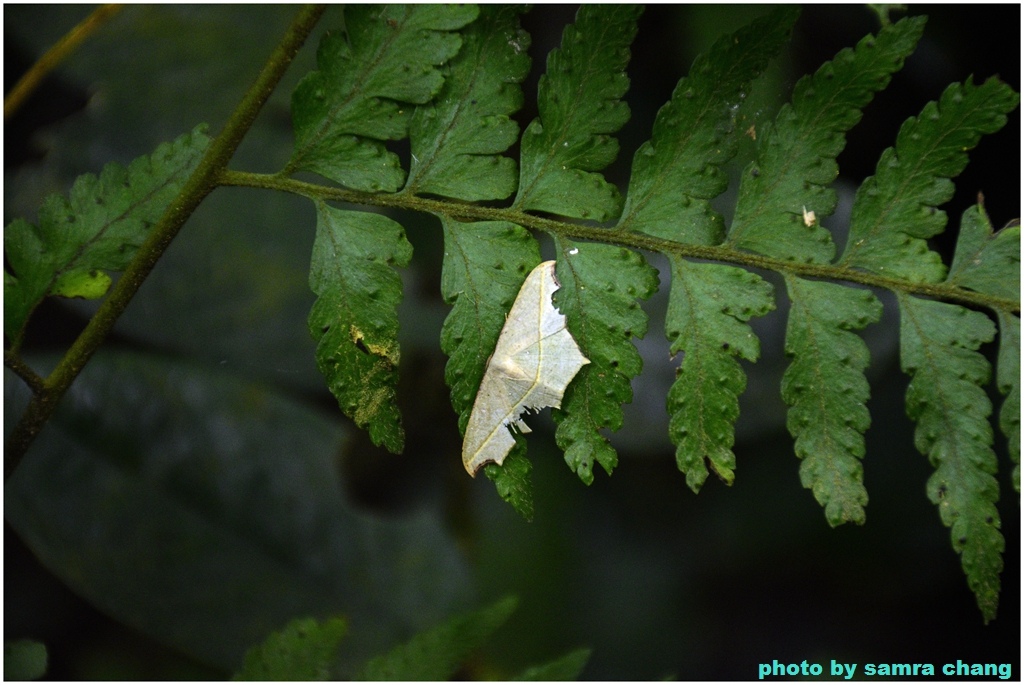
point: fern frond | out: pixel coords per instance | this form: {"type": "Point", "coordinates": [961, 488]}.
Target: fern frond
{"type": "Point", "coordinates": [706, 319]}
{"type": "Point", "coordinates": [448, 78]}
{"type": "Point", "coordinates": [600, 285]}
{"type": "Point", "coordinates": [436, 654]}
{"type": "Point", "coordinates": [484, 267]}
{"type": "Point", "coordinates": [562, 152]}
{"type": "Point", "coordinates": [457, 139]}
{"type": "Point", "coordinates": [1008, 382]}
{"type": "Point", "coordinates": [826, 390]}
{"type": "Point", "coordinates": [512, 479]}
{"type": "Point", "coordinates": [386, 59]}
{"type": "Point", "coordinates": [796, 156]}
{"type": "Point", "coordinates": [938, 343]}
{"type": "Point", "coordinates": [895, 210]}
{"type": "Point", "coordinates": [579, 99]}
{"type": "Point", "coordinates": [678, 171]}
{"type": "Point", "coordinates": [97, 229]}
{"type": "Point", "coordinates": [355, 320]}
{"type": "Point", "coordinates": [674, 177]}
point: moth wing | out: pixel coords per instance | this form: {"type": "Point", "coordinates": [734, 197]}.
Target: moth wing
{"type": "Point", "coordinates": [533, 362]}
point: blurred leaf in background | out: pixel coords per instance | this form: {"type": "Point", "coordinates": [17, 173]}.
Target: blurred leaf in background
{"type": "Point", "coordinates": [205, 511]}
{"type": "Point", "coordinates": [24, 660]}
{"type": "Point", "coordinates": [304, 650]}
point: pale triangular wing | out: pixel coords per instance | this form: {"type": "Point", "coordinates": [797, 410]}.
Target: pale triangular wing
{"type": "Point", "coordinates": [533, 362]}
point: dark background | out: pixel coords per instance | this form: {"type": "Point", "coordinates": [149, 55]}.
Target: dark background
{"type": "Point", "coordinates": [658, 581]}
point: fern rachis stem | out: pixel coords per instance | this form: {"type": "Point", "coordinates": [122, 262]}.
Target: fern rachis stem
{"type": "Point", "coordinates": [624, 238]}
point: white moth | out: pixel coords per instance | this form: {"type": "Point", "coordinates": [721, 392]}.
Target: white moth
{"type": "Point", "coordinates": [533, 362]}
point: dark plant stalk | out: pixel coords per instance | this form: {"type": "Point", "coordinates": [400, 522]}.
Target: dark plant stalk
{"type": "Point", "coordinates": [55, 55]}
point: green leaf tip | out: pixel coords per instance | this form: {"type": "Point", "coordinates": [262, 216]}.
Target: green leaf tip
{"type": "Point", "coordinates": [97, 229]}
{"type": "Point", "coordinates": [579, 98]}
{"type": "Point", "coordinates": [512, 479]}
{"type": "Point", "coordinates": [457, 138]}
{"type": "Point", "coordinates": [564, 668]}
{"type": "Point", "coordinates": [386, 59]}
{"type": "Point", "coordinates": [706, 320]}
{"type": "Point", "coordinates": [305, 649]}
{"type": "Point", "coordinates": [354, 319]}
{"type": "Point", "coordinates": [600, 286]}
{"type": "Point", "coordinates": [895, 211]}
{"type": "Point", "coordinates": [946, 398]}
{"type": "Point", "coordinates": [788, 183]}
{"type": "Point", "coordinates": [678, 172]}
{"type": "Point", "coordinates": [826, 391]}
{"type": "Point", "coordinates": [436, 654]}
{"type": "Point", "coordinates": [984, 261]}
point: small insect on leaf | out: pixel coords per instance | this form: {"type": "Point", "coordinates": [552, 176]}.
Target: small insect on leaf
{"type": "Point", "coordinates": [534, 361]}
{"type": "Point", "coordinates": [809, 218]}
